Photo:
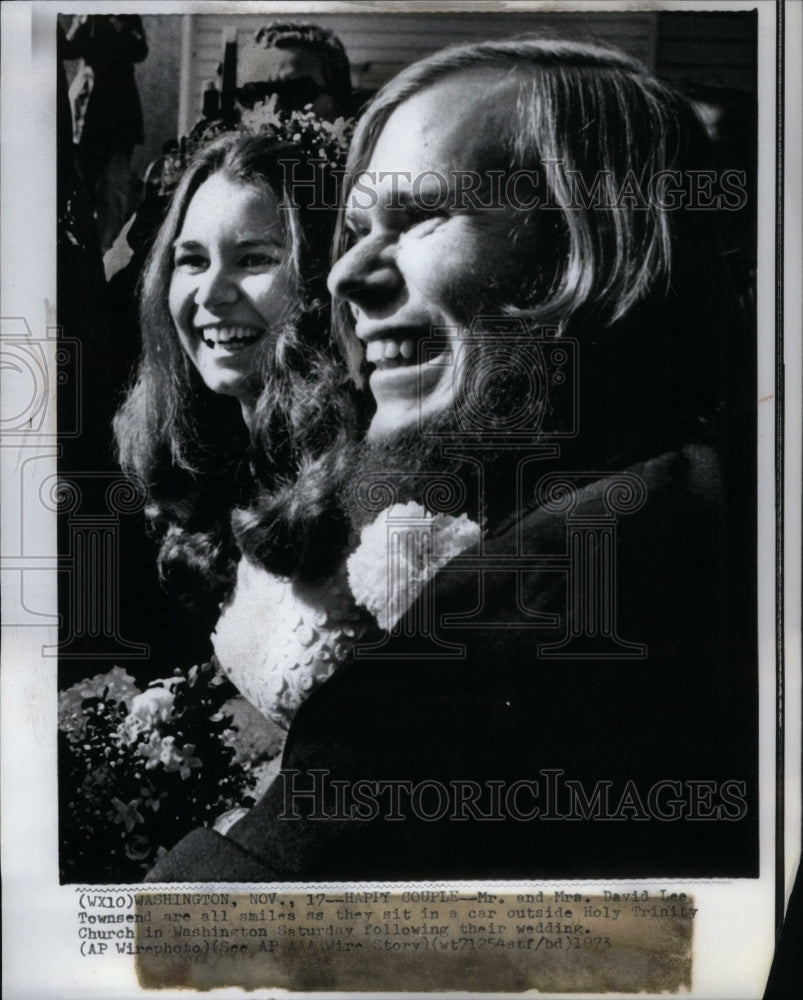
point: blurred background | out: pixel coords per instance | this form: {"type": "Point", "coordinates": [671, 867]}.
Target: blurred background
{"type": "Point", "coordinates": [689, 49]}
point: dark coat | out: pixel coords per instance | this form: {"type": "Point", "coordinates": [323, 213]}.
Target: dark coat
{"type": "Point", "coordinates": [512, 710]}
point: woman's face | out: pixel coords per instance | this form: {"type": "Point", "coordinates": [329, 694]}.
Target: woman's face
{"type": "Point", "coordinates": [232, 285]}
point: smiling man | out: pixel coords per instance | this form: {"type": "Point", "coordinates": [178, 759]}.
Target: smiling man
{"type": "Point", "coordinates": [422, 261]}
{"type": "Point", "coordinates": [545, 342]}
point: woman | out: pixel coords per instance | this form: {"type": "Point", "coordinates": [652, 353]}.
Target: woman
{"type": "Point", "coordinates": [240, 413]}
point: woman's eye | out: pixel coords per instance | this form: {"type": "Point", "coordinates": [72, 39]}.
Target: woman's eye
{"type": "Point", "coordinates": [191, 261]}
{"type": "Point", "coordinates": [259, 260]}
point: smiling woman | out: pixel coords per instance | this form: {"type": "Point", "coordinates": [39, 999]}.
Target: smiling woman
{"type": "Point", "coordinates": [232, 287]}
{"type": "Point", "coordinates": [236, 425]}
{"type": "Point", "coordinates": [237, 387]}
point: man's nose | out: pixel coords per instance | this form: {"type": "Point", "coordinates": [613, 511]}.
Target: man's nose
{"type": "Point", "coordinates": [216, 288]}
{"type": "Point", "coordinates": [366, 276]}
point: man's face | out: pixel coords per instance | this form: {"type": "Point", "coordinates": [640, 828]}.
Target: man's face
{"type": "Point", "coordinates": [416, 272]}
{"type": "Point", "coordinates": [296, 76]}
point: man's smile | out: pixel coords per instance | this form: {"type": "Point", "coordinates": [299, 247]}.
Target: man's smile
{"type": "Point", "coordinates": [381, 352]}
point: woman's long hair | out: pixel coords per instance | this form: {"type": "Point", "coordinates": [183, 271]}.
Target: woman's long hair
{"type": "Point", "coordinates": [214, 488]}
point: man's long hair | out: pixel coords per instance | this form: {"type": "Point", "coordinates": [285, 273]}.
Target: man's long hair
{"type": "Point", "coordinates": [214, 488]}
{"type": "Point", "coordinates": [640, 283]}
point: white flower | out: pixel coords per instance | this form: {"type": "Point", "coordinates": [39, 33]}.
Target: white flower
{"type": "Point", "coordinates": [130, 728]}
{"type": "Point", "coordinates": [400, 552]}
{"type": "Point", "coordinates": [340, 130]}
{"type": "Point", "coordinates": [152, 706]}
{"type": "Point", "coordinates": [151, 751]}
{"type": "Point", "coordinates": [128, 813]}
{"type": "Point", "coordinates": [120, 685]}
{"type": "Point", "coordinates": [173, 759]}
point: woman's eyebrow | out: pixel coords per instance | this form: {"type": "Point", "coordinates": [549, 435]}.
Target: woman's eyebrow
{"type": "Point", "coordinates": [259, 241]}
{"type": "Point", "coordinates": [245, 242]}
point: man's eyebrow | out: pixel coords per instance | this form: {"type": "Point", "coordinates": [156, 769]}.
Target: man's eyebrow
{"type": "Point", "coordinates": [430, 193]}
{"type": "Point", "coordinates": [423, 195]}
{"type": "Point", "coordinates": [354, 212]}
{"type": "Point", "coordinates": [464, 190]}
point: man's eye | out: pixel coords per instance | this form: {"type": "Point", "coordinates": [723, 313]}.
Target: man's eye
{"type": "Point", "coordinates": [351, 238]}
{"type": "Point", "coordinates": [356, 229]}
{"type": "Point", "coordinates": [424, 221]}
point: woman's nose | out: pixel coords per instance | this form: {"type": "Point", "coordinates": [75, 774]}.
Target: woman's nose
{"type": "Point", "coordinates": [216, 288]}
{"type": "Point", "coordinates": [366, 276]}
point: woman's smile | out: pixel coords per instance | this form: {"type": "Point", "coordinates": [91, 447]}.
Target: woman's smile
{"type": "Point", "coordinates": [232, 288]}
{"type": "Point", "coordinates": [231, 337]}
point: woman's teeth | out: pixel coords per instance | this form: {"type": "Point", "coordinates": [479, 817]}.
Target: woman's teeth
{"type": "Point", "coordinates": [231, 337]}
{"type": "Point", "coordinates": [389, 350]}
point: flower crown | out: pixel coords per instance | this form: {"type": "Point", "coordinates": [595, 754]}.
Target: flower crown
{"type": "Point", "coordinates": [323, 141]}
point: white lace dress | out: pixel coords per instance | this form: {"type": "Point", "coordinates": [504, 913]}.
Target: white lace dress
{"type": "Point", "coordinates": [277, 641]}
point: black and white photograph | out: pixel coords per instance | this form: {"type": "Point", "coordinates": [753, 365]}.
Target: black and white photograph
{"type": "Point", "coordinates": [404, 506]}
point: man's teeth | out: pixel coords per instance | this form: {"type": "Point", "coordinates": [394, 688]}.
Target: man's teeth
{"type": "Point", "coordinates": [387, 350]}
{"type": "Point", "coordinates": [231, 336]}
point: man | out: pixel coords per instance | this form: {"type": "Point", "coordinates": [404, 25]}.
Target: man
{"type": "Point", "coordinates": [302, 64]}
{"type": "Point", "coordinates": [575, 694]}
